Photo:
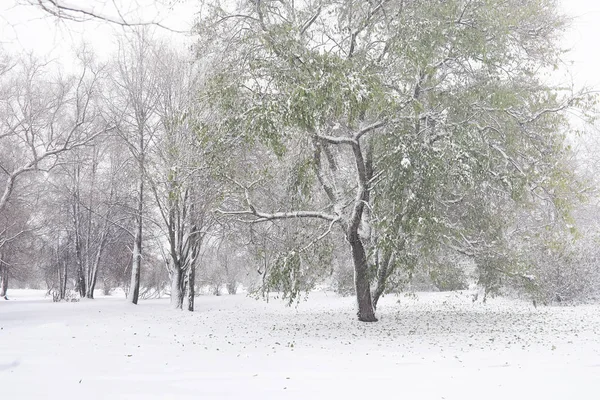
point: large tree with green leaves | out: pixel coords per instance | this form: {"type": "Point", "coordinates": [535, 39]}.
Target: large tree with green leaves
{"type": "Point", "coordinates": [409, 124]}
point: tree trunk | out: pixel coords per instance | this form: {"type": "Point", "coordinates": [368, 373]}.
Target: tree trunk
{"type": "Point", "coordinates": [77, 225]}
{"type": "Point", "coordinates": [63, 283]}
{"type": "Point", "coordinates": [79, 257]}
{"type": "Point", "coordinates": [381, 280]}
{"type": "Point", "coordinates": [91, 285]}
{"type": "Point", "coordinates": [134, 287]}
{"type": "Point", "coordinates": [232, 287]}
{"type": "Point", "coordinates": [61, 273]}
{"type": "Point", "coordinates": [3, 278]}
{"type": "Point", "coordinates": [92, 265]}
{"type": "Point", "coordinates": [90, 290]}
{"type": "Point", "coordinates": [190, 287]}
{"type": "Point", "coordinates": [384, 270]}
{"type": "Point", "coordinates": [91, 280]}
{"type": "Point", "coordinates": [177, 287]}
{"type": "Point", "coordinates": [366, 312]}
{"type": "Point", "coordinates": [106, 287]}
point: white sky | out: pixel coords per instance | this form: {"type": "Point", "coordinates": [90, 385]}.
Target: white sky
{"type": "Point", "coordinates": [25, 28]}
{"type": "Point", "coordinates": [584, 40]}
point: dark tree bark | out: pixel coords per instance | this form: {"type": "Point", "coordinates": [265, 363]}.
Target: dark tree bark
{"type": "Point", "coordinates": [3, 278]}
{"type": "Point", "coordinates": [183, 282]}
{"type": "Point", "coordinates": [190, 287]}
{"type": "Point", "coordinates": [134, 288]}
{"type": "Point", "coordinates": [63, 280]}
{"type": "Point", "coordinates": [184, 243]}
{"type": "Point", "coordinates": [366, 311]}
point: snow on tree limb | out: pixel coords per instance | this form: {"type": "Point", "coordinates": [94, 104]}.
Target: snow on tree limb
{"type": "Point", "coordinates": [78, 12]}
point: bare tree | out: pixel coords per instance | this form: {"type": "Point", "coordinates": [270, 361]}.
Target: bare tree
{"type": "Point", "coordinates": [42, 119]}
{"type": "Point", "coordinates": [133, 102]}
{"type": "Point", "coordinates": [90, 190]}
{"type": "Point", "coordinates": [179, 174]}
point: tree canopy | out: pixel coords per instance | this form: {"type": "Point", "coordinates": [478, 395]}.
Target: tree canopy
{"type": "Point", "coordinates": [426, 125]}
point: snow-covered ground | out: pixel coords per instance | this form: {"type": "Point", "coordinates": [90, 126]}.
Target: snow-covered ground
{"type": "Point", "coordinates": [431, 346]}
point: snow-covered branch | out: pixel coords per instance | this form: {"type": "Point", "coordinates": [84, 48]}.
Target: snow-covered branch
{"type": "Point", "coordinates": [355, 138]}
{"type": "Point", "coordinates": [78, 12]}
{"type": "Point", "coordinates": [263, 216]}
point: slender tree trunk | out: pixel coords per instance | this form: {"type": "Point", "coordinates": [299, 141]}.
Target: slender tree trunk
{"type": "Point", "coordinates": [89, 293]}
{"type": "Point", "coordinates": [134, 287]}
{"type": "Point", "coordinates": [78, 232]}
{"type": "Point", "coordinates": [61, 273]}
{"type": "Point", "coordinates": [78, 251]}
{"type": "Point", "coordinates": [91, 284]}
{"type": "Point", "coordinates": [65, 276]}
{"type": "Point", "coordinates": [10, 184]}
{"type": "Point", "coordinates": [91, 265]}
{"type": "Point", "coordinates": [384, 269]}
{"type": "Point", "coordinates": [58, 277]}
{"type": "Point", "coordinates": [190, 286]}
{"type": "Point", "coordinates": [63, 287]}
{"type": "Point", "coordinates": [3, 278]}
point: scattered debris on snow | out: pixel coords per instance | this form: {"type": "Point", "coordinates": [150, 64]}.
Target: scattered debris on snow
{"type": "Point", "coordinates": [427, 346]}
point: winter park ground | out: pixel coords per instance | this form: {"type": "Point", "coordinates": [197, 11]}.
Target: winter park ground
{"type": "Point", "coordinates": [430, 346]}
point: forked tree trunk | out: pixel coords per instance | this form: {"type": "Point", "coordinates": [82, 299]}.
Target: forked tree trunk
{"type": "Point", "coordinates": [366, 313]}
{"type": "Point", "coordinates": [90, 290]}
{"type": "Point", "coordinates": [91, 287]}
{"type": "Point", "coordinates": [93, 273]}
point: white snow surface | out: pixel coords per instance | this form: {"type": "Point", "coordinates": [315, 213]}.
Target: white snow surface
{"type": "Point", "coordinates": [429, 346]}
